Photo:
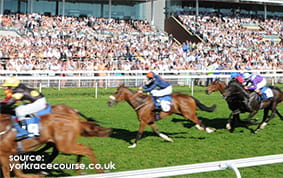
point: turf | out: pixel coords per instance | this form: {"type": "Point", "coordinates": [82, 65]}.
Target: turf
{"type": "Point", "coordinates": [190, 145]}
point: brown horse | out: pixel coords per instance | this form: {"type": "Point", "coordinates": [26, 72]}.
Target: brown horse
{"type": "Point", "coordinates": [237, 107]}
{"type": "Point", "coordinates": [182, 104]}
{"type": "Point", "coordinates": [62, 127]}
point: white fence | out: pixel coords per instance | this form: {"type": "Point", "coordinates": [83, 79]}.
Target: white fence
{"type": "Point", "coordinates": [51, 79]}
{"type": "Point", "coordinates": [194, 168]}
{"type": "Point", "coordinates": [106, 79]}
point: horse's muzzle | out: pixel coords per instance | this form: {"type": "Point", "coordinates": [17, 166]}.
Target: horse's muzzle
{"type": "Point", "coordinates": [207, 92]}
{"type": "Point", "coordinates": [112, 101]}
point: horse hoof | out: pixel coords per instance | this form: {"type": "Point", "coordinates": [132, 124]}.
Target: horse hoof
{"type": "Point", "coordinates": [228, 126]}
{"type": "Point", "coordinates": [44, 173]}
{"type": "Point", "coordinates": [199, 127]}
{"type": "Point", "coordinates": [262, 126]}
{"type": "Point", "coordinates": [210, 130]}
{"type": "Point", "coordinates": [132, 146]}
{"type": "Point", "coordinates": [170, 140]}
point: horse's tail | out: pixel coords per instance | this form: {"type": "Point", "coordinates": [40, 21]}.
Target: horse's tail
{"type": "Point", "coordinates": [203, 107]}
{"type": "Point", "coordinates": [91, 129]}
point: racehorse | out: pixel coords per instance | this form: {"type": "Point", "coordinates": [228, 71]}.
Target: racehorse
{"type": "Point", "coordinates": [235, 94]}
{"type": "Point", "coordinates": [182, 104]}
{"type": "Point", "coordinates": [62, 127]}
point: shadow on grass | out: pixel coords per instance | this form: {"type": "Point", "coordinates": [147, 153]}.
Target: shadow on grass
{"type": "Point", "coordinates": [217, 123]}
{"type": "Point", "coordinates": [129, 136]}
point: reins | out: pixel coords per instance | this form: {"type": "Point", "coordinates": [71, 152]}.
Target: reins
{"type": "Point", "coordinates": [6, 131]}
{"type": "Point", "coordinates": [133, 97]}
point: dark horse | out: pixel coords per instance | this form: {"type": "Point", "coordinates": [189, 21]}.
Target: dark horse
{"type": "Point", "coordinates": [235, 96]}
{"type": "Point", "coordinates": [182, 104]}
{"type": "Point", "coordinates": [62, 127]}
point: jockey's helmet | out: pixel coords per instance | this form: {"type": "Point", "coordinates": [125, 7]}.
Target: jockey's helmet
{"type": "Point", "coordinates": [246, 75]}
{"type": "Point", "coordinates": [11, 82]}
{"type": "Point", "coordinates": [234, 75]}
{"type": "Point", "coordinates": [149, 75]}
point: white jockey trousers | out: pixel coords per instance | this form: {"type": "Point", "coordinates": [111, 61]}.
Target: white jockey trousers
{"type": "Point", "coordinates": [162, 92]}
{"type": "Point", "coordinates": [23, 110]}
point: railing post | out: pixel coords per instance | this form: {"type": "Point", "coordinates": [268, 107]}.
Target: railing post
{"type": "Point", "coordinates": [235, 169]}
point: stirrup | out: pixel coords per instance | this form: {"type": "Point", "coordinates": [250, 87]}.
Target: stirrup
{"type": "Point", "coordinates": [157, 116]}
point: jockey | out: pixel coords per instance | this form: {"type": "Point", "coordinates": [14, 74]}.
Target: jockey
{"type": "Point", "coordinates": [237, 76]}
{"type": "Point", "coordinates": [33, 101]}
{"type": "Point", "coordinates": [257, 82]}
{"type": "Point", "coordinates": [8, 95]}
{"type": "Point", "coordinates": [164, 88]}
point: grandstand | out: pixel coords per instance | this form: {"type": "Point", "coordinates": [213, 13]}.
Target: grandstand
{"type": "Point", "coordinates": [220, 35]}
{"type": "Point", "coordinates": [102, 43]}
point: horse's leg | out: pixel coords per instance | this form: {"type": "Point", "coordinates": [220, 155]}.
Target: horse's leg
{"type": "Point", "coordinates": [165, 137]}
{"type": "Point", "coordinates": [54, 153]}
{"type": "Point", "coordinates": [5, 163]}
{"type": "Point", "coordinates": [235, 117]}
{"type": "Point", "coordinates": [139, 134]}
{"type": "Point", "coordinates": [50, 158]}
{"type": "Point", "coordinates": [193, 117]}
{"type": "Point", "coordinates": [228, 125]}
{"type": "Point", "coordinates": [263, 122]}
{"type": "Point", "coordinates": [250, 116]}
{"type": "Point", "coordinates": [5, 166]}
{"type": "Point", "coordinates": [79, 149]}
{"type": "Point", "coordinates": [78, 162]}
{"type": "Point", "coordinates": [273, 112]}
{"type": "Point", "coordinates": [19, 172]}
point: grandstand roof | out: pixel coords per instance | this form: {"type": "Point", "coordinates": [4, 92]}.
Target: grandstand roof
{"type": "Point", "coordinates": [107, 1]}
{"type": "Point", "coordinates": [271, 2]}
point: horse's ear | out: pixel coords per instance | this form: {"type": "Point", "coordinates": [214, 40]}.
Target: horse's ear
{"type": "Point", "coordinates": [122, 85]}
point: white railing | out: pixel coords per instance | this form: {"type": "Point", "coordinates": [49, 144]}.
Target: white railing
{"type": "Point", "coordinates": [194, 168]}
{"type": "Point", "coordinates": [105, 79]}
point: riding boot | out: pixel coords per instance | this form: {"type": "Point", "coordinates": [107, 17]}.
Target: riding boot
{"type": "Point", "coordinates": [23, 124]}
{"type": "Point", "coordinates": [21, 133]}
{"type": "Point", "coordinates": [157, 116]}
{"type": "Point", "coordinates": [261, 97]}
{"type": "Point", "coordinates": [157, 109]}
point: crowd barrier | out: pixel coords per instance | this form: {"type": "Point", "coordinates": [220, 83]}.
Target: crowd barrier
{"type": "Point", "coordinates": [135, 78]}
{"type": "Point", "coordinates": [194, 168]}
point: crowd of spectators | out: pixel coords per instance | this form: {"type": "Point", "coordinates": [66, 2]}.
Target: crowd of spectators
{"type": "Point", "coordinates": [235, 44]}
{"type": "Point", "coordinates": [96, 44]}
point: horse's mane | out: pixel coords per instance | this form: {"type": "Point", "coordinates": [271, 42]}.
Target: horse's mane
{"type": "Point", "coordinates": [235, 86]}
{"type": "Point", "coordinates": [275, 88]}
{"type": "Point", "coordinates": [133, 92]}
{"type": "Point", "coordinates": [236, 90]}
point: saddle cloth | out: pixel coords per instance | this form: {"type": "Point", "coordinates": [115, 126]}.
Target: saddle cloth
{"type": "Point", "coordinates": [266, 93]}
{"type": "Point", "coordinates": [163, 102]}
{"type": "Point", "coordinates": [33, 120]}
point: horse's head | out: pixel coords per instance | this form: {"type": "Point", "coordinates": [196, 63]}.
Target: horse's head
{"type": "Point", "coordinates": [118, 96]}
{"type": "Point", "coordinates": [216, 85]}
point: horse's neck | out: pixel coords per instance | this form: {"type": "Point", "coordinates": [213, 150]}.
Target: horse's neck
{"type": "Point", "coordinates": [222, 88]}
{"type": "Point", "coordinates": [134, 99]}
{"type": "Point", "coordinates": [236, 87]}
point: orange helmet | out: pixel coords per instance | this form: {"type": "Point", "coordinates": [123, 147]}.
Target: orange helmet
{"type": "Point", "coordinates": [149, 75]}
